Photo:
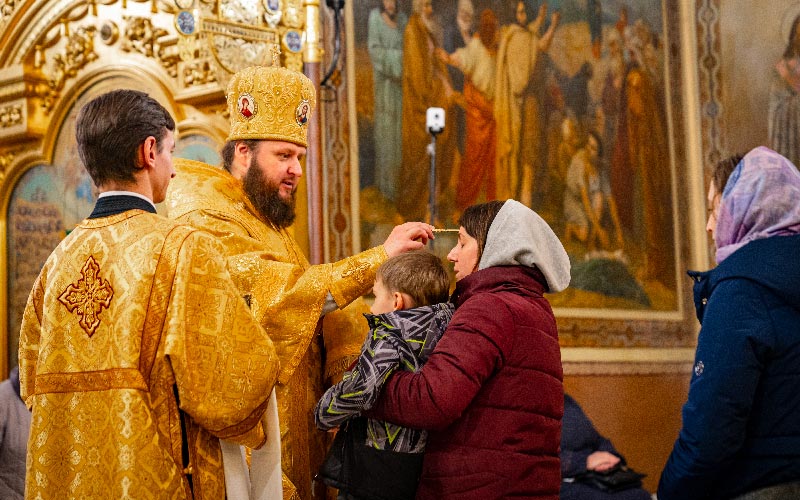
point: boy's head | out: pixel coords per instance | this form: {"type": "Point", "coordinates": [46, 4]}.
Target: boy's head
{"type": "Point", "coordinates": [412, 279]}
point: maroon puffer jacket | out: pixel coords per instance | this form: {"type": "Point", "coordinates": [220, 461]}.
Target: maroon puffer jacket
{"type": "Point", "coordinates": [491, 393]}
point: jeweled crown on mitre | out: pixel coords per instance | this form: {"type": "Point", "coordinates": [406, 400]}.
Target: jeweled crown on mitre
{"type": "Point", "coordinates": [270, 102]}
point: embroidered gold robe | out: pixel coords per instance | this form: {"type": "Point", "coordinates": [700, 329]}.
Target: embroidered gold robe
{"type": "Point", "coordinates": [129, 310]}
{"type": "Point", "coordinates": [286, 294]}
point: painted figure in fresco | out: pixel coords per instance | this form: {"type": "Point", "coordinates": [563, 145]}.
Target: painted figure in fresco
{"type": "Point", "coordinates": [644, 49]}
{"type": "Point", "coordinates": [385, 44]}
{"type": "Point", "coordinates": [477, 61]}
{"type": "Point", "coordinates": [641, 178]}
{"type": "Point", "coordinates": [561, 149]}
{"type": "Point", "coordinates": [457, 35]}
{"type": "Point", "coordinates": [426, 84]}
{"type": "Point", "coordinates": [784, 100]}
{"type": "Point", "coordinates": [517, 103]}
{"type": "Point", "coordinates": [118, 358]}
{"type": "Point", "coordinates": [613, 69]}
{"type": "Point", "coordinates": [249, 205]}
{"type": "Point", "coordinates": [589, 208]}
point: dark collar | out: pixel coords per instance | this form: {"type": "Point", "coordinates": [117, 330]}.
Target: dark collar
{"type": "Point", "coordinates": [113, 205]}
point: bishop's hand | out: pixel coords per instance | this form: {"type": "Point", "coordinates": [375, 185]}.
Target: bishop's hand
{"type": "Point", "coordinates": [408, 236]}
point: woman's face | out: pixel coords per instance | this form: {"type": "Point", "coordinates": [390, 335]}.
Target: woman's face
{"type": "Point", "coordinates": [713, 209]}
{"type": "Point", "coordinates": [464, 255]}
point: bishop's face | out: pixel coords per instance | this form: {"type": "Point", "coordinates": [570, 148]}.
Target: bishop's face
{"type": "Point", "coordinates": [272, 179]}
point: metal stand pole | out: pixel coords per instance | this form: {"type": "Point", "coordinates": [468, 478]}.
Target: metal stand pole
{"type": "Point", "coordinates": [432, 181]}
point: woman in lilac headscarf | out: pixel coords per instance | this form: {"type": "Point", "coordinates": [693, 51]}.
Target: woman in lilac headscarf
{"type": "Point", "coordinates": [741, 424]}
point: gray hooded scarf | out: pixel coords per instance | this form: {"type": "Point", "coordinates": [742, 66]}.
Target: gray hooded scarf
{"type": "Point", "coordinates": [519, 237]}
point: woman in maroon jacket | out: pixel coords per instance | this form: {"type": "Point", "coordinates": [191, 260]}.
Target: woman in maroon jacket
{"type": "Point", "coordinates": [491, 392]}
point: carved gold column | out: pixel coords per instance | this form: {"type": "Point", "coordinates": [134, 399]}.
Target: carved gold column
{"type": "Point", "coordinates": [312, 60]}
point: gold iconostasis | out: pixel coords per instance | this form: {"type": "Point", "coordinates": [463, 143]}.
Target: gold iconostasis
{"type": "Point", "coordinates": [57, 55]}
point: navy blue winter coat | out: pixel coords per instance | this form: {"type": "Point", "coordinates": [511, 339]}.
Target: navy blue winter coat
{"type": "Point", "coordinates": [741, 423]}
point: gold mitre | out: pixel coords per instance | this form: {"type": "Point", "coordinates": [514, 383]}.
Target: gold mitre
{"type": "Point", "coordinates": [270, 102]}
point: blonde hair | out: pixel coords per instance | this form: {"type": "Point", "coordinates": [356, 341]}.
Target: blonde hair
{"type": "Point", "coordinates": [420, 275]}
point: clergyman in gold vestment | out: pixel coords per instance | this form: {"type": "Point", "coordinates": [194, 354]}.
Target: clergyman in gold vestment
{"type": "Point", "coordinates": [137, 352]}
{"type": "Point", "coordinates": [248, 206]}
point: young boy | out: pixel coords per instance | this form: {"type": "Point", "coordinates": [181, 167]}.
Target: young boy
{"type": "Point", "coordinates": [370, 458]}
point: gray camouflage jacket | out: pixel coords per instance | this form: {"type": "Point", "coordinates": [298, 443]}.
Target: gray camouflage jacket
{"type": "Point", "coordinates": [400, 339]}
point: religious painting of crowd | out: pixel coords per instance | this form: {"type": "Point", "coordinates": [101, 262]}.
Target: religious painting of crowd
{"type": "Point", "coordinates": [561, 105]}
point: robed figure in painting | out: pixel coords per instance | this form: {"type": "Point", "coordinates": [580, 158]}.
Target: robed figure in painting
{"type": "Point", "coordinates": [784, 100]}
{"type": "Point", "coordinates": [640, 175]}
{"type": "Point", "coordinates": [385, 43]}
{"type": "Point", "coordinates": [426, 84]}
{"type": "Point", "coordinates": [477, 61]}
{"type": "Point", "coordinates": [517, 104]}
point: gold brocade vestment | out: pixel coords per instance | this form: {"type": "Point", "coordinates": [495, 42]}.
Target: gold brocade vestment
{"type": "Point", "coordinates": [130, 311]}
{"type": "Point", "coordinates": [286, 295]}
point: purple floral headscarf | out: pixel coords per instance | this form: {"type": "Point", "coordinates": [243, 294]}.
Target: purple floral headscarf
{"type": "Point", "coordinates": [760, 200]}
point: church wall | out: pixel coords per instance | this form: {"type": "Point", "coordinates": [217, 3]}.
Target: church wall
{"type": "Point", "coordinates": [55, 55]}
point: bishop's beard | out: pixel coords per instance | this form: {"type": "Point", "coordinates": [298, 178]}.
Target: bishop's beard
{"type": "Point", "coordinates": [265, 196]}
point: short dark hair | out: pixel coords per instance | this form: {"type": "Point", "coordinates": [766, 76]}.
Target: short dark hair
{"type": "Point", "coordinates": [111, 127]}
{"type": "Point", "coordinates": [419, 274]}
{"type": "Point", "coordinates": [227, 151]}
{"type": "Point", "coordinates": [723, 170]}
{"type": "Point", "coordinates": [477, 219]}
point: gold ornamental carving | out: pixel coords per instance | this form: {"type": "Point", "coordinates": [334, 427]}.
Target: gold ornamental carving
{"type": "Point", "coordinates": [199, 44]}
{"type": "Point", "coordinates": [11, 115]}
{"type": "Point", "coordinates": [6, 158]}
{"type": "Point", "coordinates": [235, 34]}
{"type": "Point", "coordinates": [293, 16]}
{"type": "Point", "coordinates": [142, 37]}
{"type": "Point", "coordinates": [78, 53]}
{"type": "Point", "coordinates": [198, 73]}
{"type": "Point", "coordinates": [7, 8]}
